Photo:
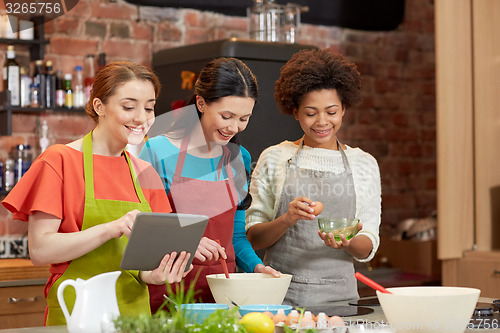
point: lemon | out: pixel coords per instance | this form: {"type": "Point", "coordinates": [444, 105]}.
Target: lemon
{"type": "Point", "coordinates": [257, 322]}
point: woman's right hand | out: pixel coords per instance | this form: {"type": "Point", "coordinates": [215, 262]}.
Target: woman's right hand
{"type": "Point", "coordinates": [171, 269]}
{"type": "Point", "coordinates": [123, 226]}
{"type": "Point", "coordinates": [299, 209]}
{"type": "Point", "coordinates": [209, 249]}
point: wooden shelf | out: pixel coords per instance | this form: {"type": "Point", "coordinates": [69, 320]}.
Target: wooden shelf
{"type": "Point", "coordinates": [30, 110]}
{"type": "Point", "coordinates": [6, 112]}
{"type": "Point", "coordinates": [36, 45]}
{"type": "Point", "coordinates": [28, 42]}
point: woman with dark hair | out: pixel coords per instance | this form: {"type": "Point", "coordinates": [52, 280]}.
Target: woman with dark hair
{"type": "Point", "coordinates": [204, 170]}
{"type": "Point", "coordinates": [81, 199]}
{"type": "Point", "coordinates": [316, 87]}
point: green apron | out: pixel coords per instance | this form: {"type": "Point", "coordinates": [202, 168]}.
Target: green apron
{"type": "Point", "coordinates": [131, 292]}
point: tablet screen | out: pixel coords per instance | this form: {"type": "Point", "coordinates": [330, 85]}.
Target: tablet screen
{"type": "Point", "coordinates": [156, 234]}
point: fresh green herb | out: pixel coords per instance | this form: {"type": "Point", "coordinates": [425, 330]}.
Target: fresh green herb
{"type": "Point", "coordinates": [175, 320]}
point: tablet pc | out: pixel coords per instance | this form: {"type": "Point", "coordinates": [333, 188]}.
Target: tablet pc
{"type": "Point", "coordinates": [155, 234]}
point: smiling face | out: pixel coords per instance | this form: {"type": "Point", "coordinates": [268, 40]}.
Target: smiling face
{"type": "Point", "coordinates": [128, 113]}
{"type": "Point", "coordinates": [320, 116]}
{"type": "Point", "coordinates": [224, 118]}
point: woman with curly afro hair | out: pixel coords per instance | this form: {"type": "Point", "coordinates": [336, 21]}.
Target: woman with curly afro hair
{"type": "Point", "coordinates": [291, 179]}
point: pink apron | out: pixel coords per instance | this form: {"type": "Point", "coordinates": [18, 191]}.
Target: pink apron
{"type": "Point", "coordinates": [217, 200]}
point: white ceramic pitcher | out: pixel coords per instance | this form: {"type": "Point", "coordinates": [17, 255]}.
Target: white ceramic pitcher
{"type": "Point", "coordinates": [95, 302]}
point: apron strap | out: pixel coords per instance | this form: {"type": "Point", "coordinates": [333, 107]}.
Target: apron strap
{"type": "Point", "coordinates": [342, 153]}
{"type": "Point", "coordinates": [138, 189]}
{"type": "Point", "coordinates": [181, 158]}
{"type": "Point", "coordinates": [225, 160]}
{"type": "Point", "coordinates": [88, 166]}
{"type": "Point", "coordinates": [225, 163]}
{"type": "Point", "coordinates": [344, 158]}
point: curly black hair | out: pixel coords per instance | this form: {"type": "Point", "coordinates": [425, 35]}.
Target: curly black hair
{"type": "Point", "coordinates": [311, 70]}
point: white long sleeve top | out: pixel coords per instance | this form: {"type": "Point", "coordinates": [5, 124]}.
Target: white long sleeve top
{"type": "Point", "coordinates": [269, 174]}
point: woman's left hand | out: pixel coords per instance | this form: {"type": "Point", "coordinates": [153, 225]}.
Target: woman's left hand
{"type": "Point", "coordinates": [330, 241]}
{"type": "Point", "coordinates": [266, 270]}
{"type": "Point", "coordinates": [171, 269]}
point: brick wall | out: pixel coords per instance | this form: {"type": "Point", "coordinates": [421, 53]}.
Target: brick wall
{"type": "Point", "coordinates": [395, 122]}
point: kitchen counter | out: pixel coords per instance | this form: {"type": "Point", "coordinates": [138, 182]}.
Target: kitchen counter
{"type": "Point", "coordinates": [376, 316]}
{"type": "Point", "coordinates": [22, 302]}
{"type": "Point", "coordinates": [21, 269]}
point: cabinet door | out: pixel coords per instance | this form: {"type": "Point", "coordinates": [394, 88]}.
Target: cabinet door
{"type": "Point", "coordinates": [481, 274]}
{"type": "Point", "coordinates": [454, 112]}
{"type": "Point", "coordinates": [486, 30]}
{"type": "Point", "coordinates": [22, 307]}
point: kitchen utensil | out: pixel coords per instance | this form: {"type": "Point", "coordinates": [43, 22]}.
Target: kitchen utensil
{"type": "Point", "coordinates": [95, 303]}
{"type": "Point", "coordinates": [273, 308]}
{"type": "Point", "coordinates": [429, 309]}
{"type": "Point", "coordinates": [338, 226]}
{"type": "Point", "coordinates": [198, 312]}
{"type": "Point", "coordinates": [370, 283]}
{"type": "Point", "coordinates": [223, 262]}
{"type": "Point", "coordinates": [249, 288]}
{"type": "Point", "coordinates": [170, 300]}
{"type": "Point", "coordinates": [232, 302]}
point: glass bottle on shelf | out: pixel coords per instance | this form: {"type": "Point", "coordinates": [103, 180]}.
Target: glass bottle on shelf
{"type": "Point", "coordinates": [50, 87]}
{"type": "Point", "coordinates": [257, 21]}
{"type": "Point", "coordinates": [78, 96]}
{"type": "Point", "coordinates": [68, 90]}
{"type": "Point", "coordinates": [8, 175]}
{"type": "Point", "coordinates": [25, 89]}
{"type": "Point", "coordinates": [88, 75]}
{"type": "Point", "coordinates": [35, 95]}
{"type": "Point", "coordinates": [39, 79]}
{"type": "Point", "coordinates": [11, 77]}
{"type": "Point", "coordinates": [102, 60]}
{"type": "Point", "coordinates": [273, 12]}
{"type": "Point", "coordinates": [23, 161]}
{"type": "Point", "coordinates": [44, 139]}
{"type": "Point", "coordinates": [60, 91]}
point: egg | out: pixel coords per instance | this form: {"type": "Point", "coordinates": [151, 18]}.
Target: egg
{"type": "Point", "coordinates": [280, 317]}
{"type": "Point", "coordinates": [336, 321]}
{"type": "Point", "coordinates": [269, 314]}
{"type": "Point", "coordinates": [292, 319]}
{"type": "Point", "coordinates": [307, 321]}
{"type": "Point", "coordinates": [318, 208]}
{"type": "Point", "coordinates": [322, 321]}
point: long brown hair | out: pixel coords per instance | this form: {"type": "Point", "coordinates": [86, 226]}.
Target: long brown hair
{"type": "Point", "coordinates": [112, 76]}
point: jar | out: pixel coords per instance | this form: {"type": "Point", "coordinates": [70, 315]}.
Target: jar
{"type": "Point", "coordinates": [9, 175]}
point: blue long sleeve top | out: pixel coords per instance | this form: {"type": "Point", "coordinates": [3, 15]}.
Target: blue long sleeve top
{"type": "Point", "coordinates": [163, 155]}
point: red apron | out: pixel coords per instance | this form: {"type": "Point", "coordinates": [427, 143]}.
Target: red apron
{"type": "Point", "coordinates": [217, 200]}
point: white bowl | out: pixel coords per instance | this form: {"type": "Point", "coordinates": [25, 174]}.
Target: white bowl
{"type": "Point", "coordinates": [429, 309]}
{"type": "Point", "coordinates": [249, 288]}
